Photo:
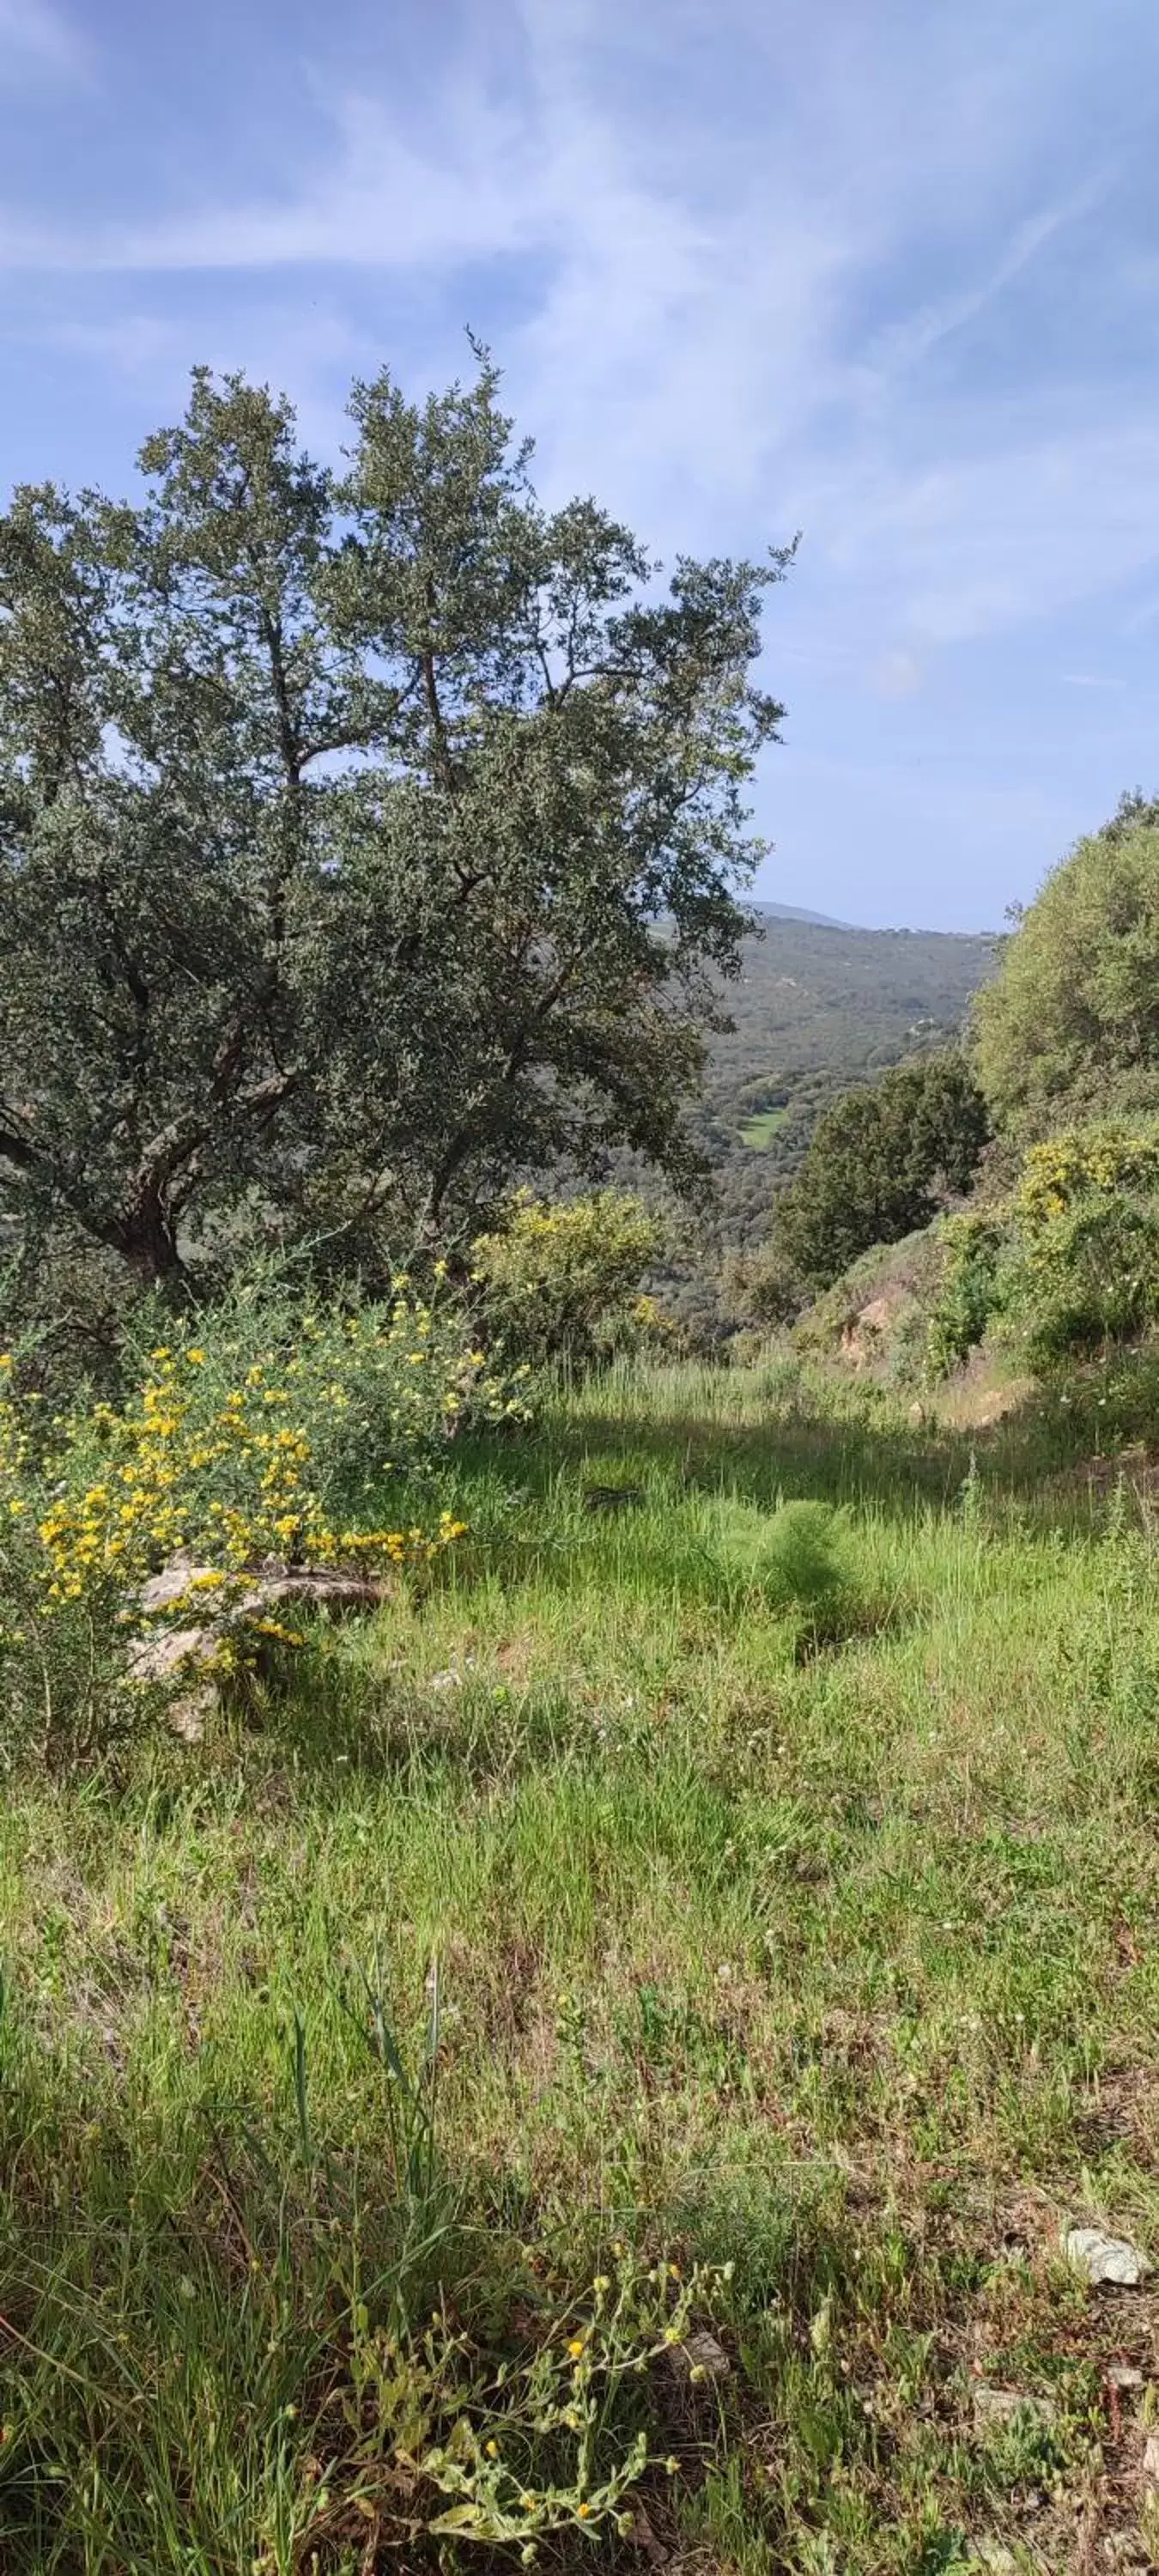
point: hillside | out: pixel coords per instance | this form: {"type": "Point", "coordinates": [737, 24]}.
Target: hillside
{"type": "Point", "coordinates": [819, 1005]}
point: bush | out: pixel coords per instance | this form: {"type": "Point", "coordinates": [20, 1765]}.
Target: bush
{"type": "Point", "coordinates": [1087, 1218]}
{"type": "Point", "coordinates": [968, 1294]}
{"type": "Point", "coordinates": [563, 1281]}
{"type": "Point", "coordinates": [880, 1164]}
{"type": "Point", "coordinates": [1071, 1262]}
{"type": "Point", "coordinates": [1070, 1028]}
{"type": "Point", "coordinates": [803, 1565]}
{"type": "Point", "coordinates": [267, 1429]}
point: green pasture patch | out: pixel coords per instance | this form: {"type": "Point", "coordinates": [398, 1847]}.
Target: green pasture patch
{"type": "Point", "coordinates": [758, 1878]}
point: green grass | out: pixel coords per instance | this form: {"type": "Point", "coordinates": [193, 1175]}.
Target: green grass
{"type": "Point", "coordinates": [791, 1882]}
{"type": "Point", "coordinates": [759, 1130]}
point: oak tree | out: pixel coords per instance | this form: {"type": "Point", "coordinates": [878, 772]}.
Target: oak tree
{"type": "Point", "coordinates": [366, 838]}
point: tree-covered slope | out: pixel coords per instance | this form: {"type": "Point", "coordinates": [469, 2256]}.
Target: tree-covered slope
{"type": "Point", "coordinates": [818, 1007]}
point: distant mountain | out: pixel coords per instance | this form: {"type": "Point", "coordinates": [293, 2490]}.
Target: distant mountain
{"type": "Point", "coordinates": [793, 912]}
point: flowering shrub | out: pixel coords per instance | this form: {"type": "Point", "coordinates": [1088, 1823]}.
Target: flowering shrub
{"type": "Point", "coordinates": [1085, 1161]}
{"type": "Point", "coordinates": [562, 1281]}
{"type": "Point", "coordinates": [1087, 1220]}
{"type": "Point", "coordinates": [1071, 1263]}
{"type": "Point", "coordinates": [266, 1430]}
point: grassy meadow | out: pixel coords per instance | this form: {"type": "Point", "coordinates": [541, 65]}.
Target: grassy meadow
{"type": "Point", "coordinates": [745, 1909]}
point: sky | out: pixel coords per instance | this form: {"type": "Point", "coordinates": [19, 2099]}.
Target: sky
{"type": "Point", "coordinates": [886, 275]}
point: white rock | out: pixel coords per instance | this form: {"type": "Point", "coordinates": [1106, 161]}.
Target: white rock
{"type": "Point", "coordinates": [1125, 2374]}
{"type": "Point", "coordinates": [171, 1651]}
{"type": "Point", "coordinates": [1105, 2259]}
{"type": "Point", "coordinates": [1005, 2406]}
{"type": "Point", "coordinates": [162, 1590]}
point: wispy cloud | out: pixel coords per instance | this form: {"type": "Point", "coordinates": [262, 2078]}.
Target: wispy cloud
{"type": "Point", "coordinates": [378, 202]}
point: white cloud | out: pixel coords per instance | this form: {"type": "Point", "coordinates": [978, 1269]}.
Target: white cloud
{"type": "Point", "coordinates": [381, 202]}
{"type": "Point", "coordinates": [732, 329]}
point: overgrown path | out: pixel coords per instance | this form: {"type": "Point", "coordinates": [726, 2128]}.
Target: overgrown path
{"type": "Point", "coordinates": [791, 1887]}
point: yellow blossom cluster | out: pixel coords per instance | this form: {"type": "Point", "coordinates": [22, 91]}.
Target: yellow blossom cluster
{"type": "Point", "coordinates": [1068, 1167]}
{"type": "Point", "coordinates": [237, 1455]}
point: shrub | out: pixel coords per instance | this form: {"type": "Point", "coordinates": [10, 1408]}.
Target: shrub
{"type": "Point", "coordinates": [1071, 1262]}
{"type": "Point", "coordinates": [802, 1565]}
{"type": "Point", "coordinates": [1070, 1027]}
{"type": "Point", "coordinates": [268, 1429]}
{"type": "Point", "coordinates": [563, 1281]}
{"type": "Point", "coordinates": [1087, 1218]}
{"type": "Point", "coordinates": [968, 1294]}
{"type": "Point", "coordinates": [879, 1165]}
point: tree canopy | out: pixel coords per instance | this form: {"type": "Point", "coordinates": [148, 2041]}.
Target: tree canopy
{"type": "Point", "coordinates": [879, 1164]}
{"type": "Point", "coordinates": [1070, 1028]}
{"type": "Point", "coordinates": [365, 838]}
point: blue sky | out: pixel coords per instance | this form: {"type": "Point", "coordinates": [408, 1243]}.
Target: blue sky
{"type": "Point", "coordinates": [886, 271]}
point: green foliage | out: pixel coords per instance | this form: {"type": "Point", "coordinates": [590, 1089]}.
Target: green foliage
{"type": "Point", "coordinates": [1069, 1264]}
{"type": "Point", "coordinates": [362, 842]}
{"type": "Point", "coordinates": [271, 1429]}
{"type": "Point", "coordinates": [561, 1280]}
{"type": "Point", "coordinates": [1087, 1218]}
{"type": "Point", "coordinates": [536, 2446]}
{"type": "Point", "coordinates": [803, 1563]}
{"type": "Point", "coordinates": [1070, 1028]}
{"type": "Point", "coordinates": [878, 1164]}
{"type": "Point", "coordinates": [968, 1293]}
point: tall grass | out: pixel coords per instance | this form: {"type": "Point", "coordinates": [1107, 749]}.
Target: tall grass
{"type": "Point", "coordinates": [756, 1873]}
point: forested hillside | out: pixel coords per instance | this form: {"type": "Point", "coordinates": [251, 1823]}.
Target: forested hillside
{"type": "Point", "coordinates": [819, 1006]}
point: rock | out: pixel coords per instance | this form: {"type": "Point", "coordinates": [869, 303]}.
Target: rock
{"type": "Point", "coordinates": [700, 2357]}
{"type": "Point", "coordinates": [173, 1650]}
{"type": "Point", "coordinates": [994, 2556]}
{"type": "Point", "coordinates": [190, 1713]}
{"type": "Point", "coordinates": [995, 2407]}
{"type": "Point", "coordinates": [170, 1656]}
{"type": "Point", "coordinates": [1105, 2260]}
{"type": "Point", "coordinates": [1124, 2374]}
{"type": "Point", "coordinates": [173, 1582]}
